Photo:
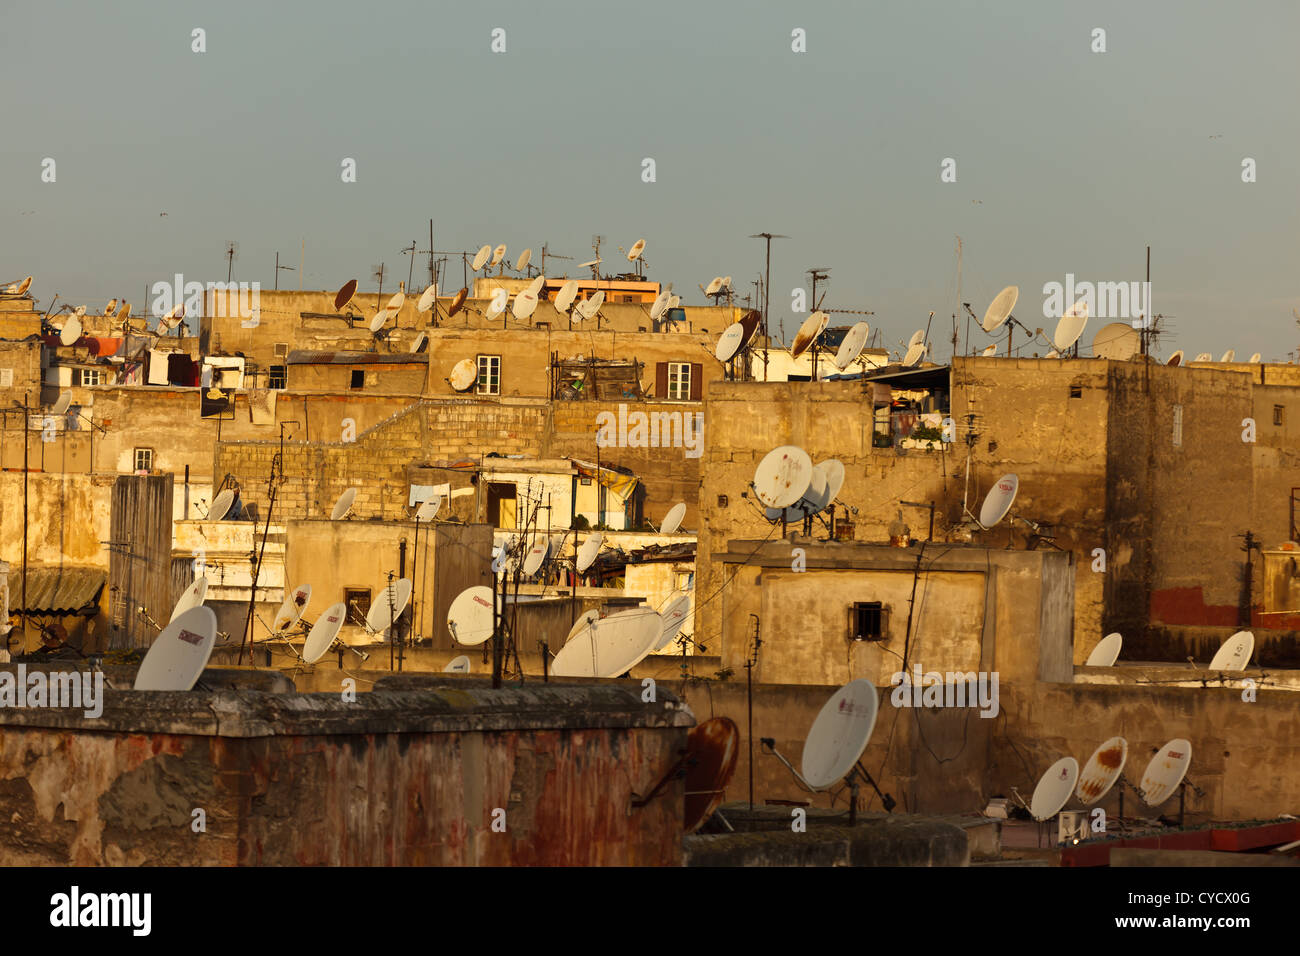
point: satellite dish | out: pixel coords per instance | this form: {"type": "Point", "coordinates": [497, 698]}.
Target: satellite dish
{"type": "Point", "coordinates": [380, 320]}
{"type": "Point", "coordinates": [1176, 358]}
{"type": "Point", "coordinates": [323, 632]}
{"type": "Point", "coordinates": [714, 286]}
{"type": "Point", "coordinates": [110, 308]}
{"type": "Point", "coordinates": [458, 665]}
{"type": "Point", "coordinates": [674, 301]}
{"type": "Point", "coordinates": [660, 305]}
{"type": "Point", "coordinates": [1204, 357]}
{"type": "Point", "coordinates": [481, 258]}
{"type": "Point", "coordinates": [1106, 652]}
{"type": "Point", "coordinates": [673, 521]}
{"type": "Point", "coordinates": [998, 501]}
{"type": "Point", "coordinates": [587, 553]}
{"type": "Point", "coordinates": [915, 348]}
{"type": "Point", "coordinates": [420, 342]}
{"type": "Point", "coordinates": [71, 331]}
{"type": "Point", "coordinates": [525, 304]}
{"type": "Point", "coordinates": [525, 257]}
{"type": "Point", "coordinates": [712, 749]}
{"type": "Point", "coordinates": [291, 610]}
{"type": "Point", "coordinates": [1000, 308]}
{"type": "Point", "coordinates": [834, 472]}
{"type": "Point", "coordinates": [23, 286]}
{"type": "Point", "coordinates": [457, 303]}
{"type": "Point", "coordinates": [498, 304]}
{"type": "Point", "coordinates": [427, 299]}
{"type": "Point", "coordinates": [729, 342]}
{"type": "Point", "coordinates": [470, 617]}
{"type": "Point", "coordinates": [1117, 341]}
{"type": "Point", "coordinates": [634, 253]}
{"type": "Point", "coordinates": [610, 646]}
{"type": "Point", "coordinates": [783, 476]}
{"type": "Point", "coordinates": [192, 598]}
{"type": "Point", "coordinates": [1235, 653]}
{"type": "Point", "coordinates": [389, 605]}
{"type": "Point", "coordinates": [535, 287]}
{"type": "Point", "coordinates": [674, 615]}
{"type": "Point", "coordinates": [1054, 789]}
{"type": "Point", "coordinates": [498, 254]}
{"type": "Point", "coordinates": [180, 653]}
{"type": "Point", "coordinates": [345, 294]}
{"type": "Point", "coordinates": [221, 505]}
{"type": "Point", "coordinates": [595, 302]}
{"type": "Point", "coordinates": [79, 311]}
{"type": "Point", "coordinates": [726, 282]}
{"type": "Point", "coordinates": [1102, 770]}
{"type": "Point", "coordinates": [1229, 355]}
{"type": "Point", "coordinates": [1166, 771]}
{"type": "Point", "coordinates": [61, 404]}
{"type": "Point", "coordinates": [840, 733]}
{"type": "Point", "coordinates": [1254, 359]}
{"type": "Point", "coordinates": [990, 350]}
{"type": "Point", "coordinates": [564, 298]}
{"type": "Point", "coordinates": [852, 345]}
{"type": "Point", "coordinates": [812, 327]}
{"type": "Point", "coordinates": [395, 303]}
{"type": "Point", "coordinates": [125, 310]}
{"type": "Point", "coordinates": [428, 510]}
{"type": "Point", "coordinates": [583, 620]}
{"type": "Point", "coordinates": [344, 504]}
{"type": "Point", "coordinates": [464, 375]}
{"type": "Point", "coordinates": [1052, 354]}
{"type": "Point", "coordinates": [749, 321]}
{"type": "Point", "coordinates": [589, 265]}
{"type": "Point", "coordinates": [1071, 325]}
{"type": "Point", "coordinates": [536, 555]}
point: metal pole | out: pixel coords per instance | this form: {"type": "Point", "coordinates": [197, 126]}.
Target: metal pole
{"type": "Point", "coordinates": [26, 473]}
{"type": "Point", "coordinates": [277, 271]}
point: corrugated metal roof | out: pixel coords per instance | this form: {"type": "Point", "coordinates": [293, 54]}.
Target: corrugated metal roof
{"type": "Point", "coordinates": [55, 590]}
{"type": "Point", "coordinates": [304, 357]}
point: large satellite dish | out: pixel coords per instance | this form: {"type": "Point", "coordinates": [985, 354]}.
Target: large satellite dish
{"type": "Point", "coordinates": [389, 605]}
{"type": "Point", "coordinates": [674, 615]}
{"type": "Point", "coordinates": [535, 287]}
{"type": "Point", "coordinates": [525, 304]}
{"type": "Point", "coordinates": [915, 350]}
{"type": "Point", "coordinates": [395, 303]}
{"type": "Point", "coordinates": [536, 556]}
{"type": "Point", "coordinates": [852, 345]}
{"type": "Point", "coordinates": [1071, 325]}
{"type": "Point", "coordinates": [1229, 356]}
{"type": "Point", "coordinates": [498, 304]}
{"type": "Point", "coordinates": [291, 611]}
{"type": "Point", "coordinates": [345, 294]}
{"type": "Point", "coordinates": [660, 305]}
{"type": "Point", "coordinates": [221, 505]}
{"type": "Point", "coordinates": [428, 510]}
{"type": "Point", "coordinates": [1117, 341]}
{"type": "Point", "coordinates": [999, 501]}
{"type": "Point", "coordinates": [812, 327]}
{"type": "Point", "coordinates": [564, 298]}
{"type": "Point", "coordinates": [461, 664]}
{"type": "Point", "coordinates": [1106, 652]}
{"type": "Point", "coordinates": [180, 653]}
{"type": "Point", "coordinates": [481, 258]}
{"type": "Point", "coordinates": [1054, 789]}
{"type": "Point", "coordinates": [61, 404]}
{"type": "Point", "coordinates": [1176, 358]}
{"type": "Point", "coordinates": [610, 646]}
{"type": "Point", "coordinates": [427, 298]}
{"type": "Point", "coordinates": [593, 304]}
{"type": "Point", "coordinates": [1102, 770]}
{"type": "Point", "coordinates": [749, 321]}
{"type": "Point", "coordinates": [464, 374]}
{"type": "Point", "coordinates": [814, 499]}
{"type": "Point", "coordinates": [713, 288]}
{"type": "Point", "coordinates": [634, 253]}
{"type": "Point", "coordinates": [839, 735]}
{"type": "Point", "coordinates": [1000, 308]}
{"type": "Point", "coordinates": [712, 749]}
{"type": "Point", "coordinates": [323, 632]}
{"type": "Point", "coordinates": [729, 342]}
{"type": "Point", "coordinates": [1166, 771]}
{"type": "Point", "coordinates": [782, 476]}
{"type": "Point", "coordinates": [344, 504]}
{"type": "Point", "coordinates": [470, 617]}
{"type": "Point", "coordinates": [192, 598]}
{"type": "Point", "coordinates": [673, 520]}
{"type": "Point", "coordinates": [457, 302]}
{"type": "Point", "coordinates": [1235, 653]}
{"type": "Point", "coordinates": [525, 257]}
{"type": "Point", "coordinates": [498, 254]}
{"type": "Point", "coordinates": [71, 331]}
{"type": "Point", "coordinates": [587, 553]}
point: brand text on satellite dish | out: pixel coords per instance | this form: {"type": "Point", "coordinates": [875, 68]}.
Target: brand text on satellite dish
{"type": "Point", "coordinates": [933, 689]}
{"type": "Point", "coordinates": [229, 299]}
{"type": "Point", "coordinates": [53, 689]}
{"type": "Point", "coordinates": [1106, 300]}
{"type": "Point", "coordinates": [653, 430]}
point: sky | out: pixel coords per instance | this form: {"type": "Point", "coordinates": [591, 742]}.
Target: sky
{"type": "Point", "coordinates": [1067, 161]}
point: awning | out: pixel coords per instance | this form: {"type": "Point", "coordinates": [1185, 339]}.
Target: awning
{"type": "Point", "coordinates": [57, 590]}
{"type": "Point", "coordinates": [621, 484]}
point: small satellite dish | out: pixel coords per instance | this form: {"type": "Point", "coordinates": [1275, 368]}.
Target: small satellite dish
{"type": "Point", "coordinates": [1052, 354]}
{"type": "Point", "coordinates": [1117, 341]}
{"type": "Point", "coordinates": [674, 614]}
{"type": "Point", "coordinates": [1254, 359]}
{"type": "Point", "coordinates": [1102, 770]}
{"type": "Point", "coordinates": [564, 298]}
{"type": "Point", "coordinates": [345, 294]}
{"type": "Point", "coordinates": [380, 320]}
{"type": "Point", "coordinates": [110, 308]}
{"type": "Point", "coordinates": [660, 305]}
{"type": "Point", "coordinates": [498, 304]}
{"type": "Point", "coordinates": [1235, 653]}
{"type": "Point", "coordinates": [1106, 653]}
{"type": "Point", "coordinates": [1204, 357]}
{"type": "Point", "coordinates": [470, 617]}
{"type": "Point", "coordinates": [1054, 789]}
{"type": "Point", "coordinates": [749, 321]}
{"type": "Point", "coordinates": [180, 653]}
{"type": "Point", "coordinates": [726, 282]}
{"type": "Point", "coordinates": [1000, 308]}
{"type": "Point", "coordinates": [458, 665]}
{"type": "Point", "coordinates": [71, 331]}
{"type": "Point", "coordinates": [673, 521]}
{"type": "Point", "coordinates": [674, 301]}
{"type": "Point", "coordinates": [1229, 355]}
{"type": "Point", "coordinates": [634, 253]}
{"type": "Point", "coordinates": [23, 286]}
{"type": "Point", "coordinates": [323, 632]}
{"type": "Point", "coordinates": [124, 311]}
{"type": "Point", "coordinates": [80, 311]}
{"type": "Point", "coordinates": [610, 646]}
{"type": "Point", "coordinates": [999, 501]}
{"type": "Point", "coordinates": [457, 302]}
{"type": "Point", "coordinates": [525, 257]}
{"type": "Point", "coordinates": [834, 472]}
{"type": "Point", "coordinates": [840, 733]}
{"type": "Point", "coordinates": [536, 555]}
{"type": "Point", "coordinates": [918, 338]}
{"type": "Point", "coordinates": [587, 553]}
{"type": "Point", "coordinates": [812, 327]}
{"type": "Point", "coordinates": [464, 375]}
{"type": "Point", "coordinates": [428, 510]}
{"type": "Point", "coordinates": [712, 749]}
{"type": "Point", "coordinates": [594, 303]}
{"type": "Point", "coordinates": [498, 254]}
{"type": "Point", "coordinates": [1166, 771]}
{"type": "Point", "coordinates": [389, 605]}
{"type": "Point", "coordinates": [852, 345]}
{"type": "Point", "coordinates": [221, 505]}
{"type": "Point", "coordinates": [729, 342]}
{"type": "Point", "coordinates": [395, 303]}
{"type": "Point", "coordinates": [915, 348]}
{"type": "Point", "coordinates": [292, 609]}
{"type": "Point", "coordinates": [1071, 325]}
{"type": "Point", "coordinates": [481, 258]}
{"type": "Point", "coordinates": [427, 299]}
{"type": "Point", "coordinates": [61, 404]}
{"type": "Point", "coordinates": [420, 342]}
{"type": "Point", "coordinates": [714, 286]}
{"type": "Point", "coordinates": [525, 304]}
{"type": "Point", "coordinates": [1176, 358]}
{"type": "Point", "coordinates": [192, 598]}
{"type": "Point", "coordinates": [589, 265]}
{"type": "Point", "coordinates": [989, 350]}
{"type": "Point", "coordinates": [535, 287]}
{"type": "Point", "coordinates": [344, 504]}
{"type": "Point", "coordinates": [783, 476]}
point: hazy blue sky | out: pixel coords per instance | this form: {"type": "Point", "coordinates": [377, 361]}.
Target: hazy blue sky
{"type": "Point", "coordinates": [1077, 159]}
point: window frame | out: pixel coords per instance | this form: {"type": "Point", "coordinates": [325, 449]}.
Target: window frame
{"type": "Point", "coordinates": [491, 387]}
{"type": "Point", "coordinates": [135, 458]}
{"type": "Point", "coordinates": [683, 383]}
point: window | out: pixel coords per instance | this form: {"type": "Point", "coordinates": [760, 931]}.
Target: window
{"type": "Point", "coordinates": [358, 378]}
{"type": "Point", "coordinates": [90, 376]}
{"type": "Point", "coordinates": [629, 298]}
{"type": "Point", "coordinates": [502, 504]}
{"type": "Point", "coordinates": [867, 621]}
{"type": "Point", "coordinates": [1076, 391]}
{"type": "Point", "coordinates": [276, 379]}
{"type": "Point", "coordinates": [143, 459]}
{"type": "Point", "coordinates": [1178, 426]}
{"type": "Point", "coordinates": [281, 349]}
{"type": "Point", "coordinates": [679, 381]}
{"type": "Point", "coordinates": [357, 602]}
{"type": "Point", "coordinates": [489, 375]}
{"type": "Point", "coordinates": [1279, 414]}
{"type": "Point", "coordinates": [544, 326]}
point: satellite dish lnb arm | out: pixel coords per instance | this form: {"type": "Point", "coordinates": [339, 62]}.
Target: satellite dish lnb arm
{"type": "Point", "coordinates": [768, 745]}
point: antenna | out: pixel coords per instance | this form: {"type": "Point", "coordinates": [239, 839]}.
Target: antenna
{"type": "Point", "coordinates": [377, 273]}
{"type": "Point", "coordinates": [232, 253]}
{"type": "Point", "coordinates": [767, 285]}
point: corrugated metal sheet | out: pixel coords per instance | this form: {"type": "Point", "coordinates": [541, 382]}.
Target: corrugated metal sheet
{"type": "Point", "coordinates": [57, 590]}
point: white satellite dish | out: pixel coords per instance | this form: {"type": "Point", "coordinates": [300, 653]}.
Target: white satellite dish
{"type": "Point", "coordinates": [535, 287]}
{"type": "Point", "coordinates": [587, 553]}
{"type": "Point", "coordinates": [855, 340]}
{"type": "Point", "coordinates": [470, 617]}
{"type": "Point", "coordinates": [379, 320]}
{"type": "Point", "coordinates": [729, 342]}
{"type": "Point", "coordinates": [464, 374]}
{"type": "Point", "coordinates": [1106, 653]}
{"type": "Point", "coordinates": [713, 288]}
{"type": "Point", "coordinates": [1166, 771]}
{"type": "Point", "coordinates": [1054, 789]}
{"type": "Point", "coordinates": [726, 282]}
{"type": "Point", "coordinates": [1052, 354]}
{"type": "Point", "coordinates": [673, 521]}
{"type": "Point", "coordinates": [459, 665]}
{"type": "Point", "coordinates": [1204, 357]}
{"type": "Point", "coordinates": [1071, 325]}
{"type": "Point", "coordinates": [674, 301]}
{"type": "Point", "coordinates": [395, 303]}
{"type": "Point", "coordinates": [71, 331]}
{"type": "Point", "coordinates": [481, 258]}
{"type": "Point", "coordinates": [915, 348]}
{"type": "Point", "coordinates": [1229, 356]}
{"type": "Point", "coordinates": [812, 327]}
{"type": "Point", "coordinates": [389, 605]}
{"type": "Point", "coordinates": [498, 304]}
{"type": "Point", "coordinates": [428, 510]}
{"type": "Point", "coordinates": [610, 646]}
{"type": "Point", "coordinates": [180, 653]}
{"type": "Point", "coordinates": [1176, 358]}
{"type": "Point", "coordinates": [536, 555]}
{"type": "Point", "coordinates": [782, 476]}
{"type": "Point", "coordinates": [192, 598]}
{"type": "Point", "coordinates": [1254, 359]}
{"type": "Point", "coordinates": [110, 308]}
{"type": "Point", "coordinates": [674, 615]}
{"type": "Point", "coordinates": [634, 253]}
{"type": "Point", "coordinates": [221, 505]}
{"type": "Point", "coordinates": [1102, 770]}
{"type": "Point", "coordinates": [660, 305]}
{"type": "Point", "coordinates": [1118, 341]}
{"type": "Point", "coordinates": [323, 632]}
{"type": "Point", "coordinates": [590, 264]}
{"type": "Point", "coordinates": [999, 501]}
{"type": "Point", "coordinates": [564, 298]}
{"type": "Point", "coordinates": [22, 287]}
{"type": "Point", "coordinates": [525, 304]}
{"type": "Point", "coordinates": [834, 472]}
{"type": "Point", "coordinates": [594, 303]}
{"type": "Point", "coordinates": [80, 311]}
{"type": "Point", "coordinates": [1235, 653]}
{"type": "Point", "coordinates": [420, 341]}
{"type": "Point", "coordinates": [839, 735]}
{"type": "Point", "coordinates": [344, 504]}
{"type": "Point", "coordinates": [427, 299]}
{"type": "Point", "coordinates": [1000, 308]}
{"type": "Point", "coordinates": [525, 257]}
{"type": "Point", "coordinates": [498, 254]}
{"type": "Point", "coordinates": [291, 610]}
{"type": "Point", "coordinates": [989, 350]}
{"type": "Point", "coordinates": [61, 404]}
{"type": "Point", "coordinates": [583, 620]}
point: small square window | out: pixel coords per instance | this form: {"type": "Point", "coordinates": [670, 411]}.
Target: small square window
{"type": "Point", "coordinates": [1076, 391]}
{"type": "Point", "coordinates": [276, 377]}
{"type": "Point", "coordinates": [679, 381]}
{"type": "Point", "coordinates": [143, 459]}
{"type": "Point", "coordinates": [357, 602]}
{"type": "Point", "coordinates": [281, 349]}
{"type": "Point", "coordinates": [358, 378]}
{"type": "Point", "coordinates": [867, 621]}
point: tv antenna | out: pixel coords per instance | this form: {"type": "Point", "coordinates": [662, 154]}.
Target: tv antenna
{"type": "Point", "coordinates": [232, 253]}
{"type": "Point", "coordinates": [278, 267]}
{"type": "Point", "coordinates": [409, 251]}
{"type": "Point", "coordinates": [547, 254]}
{"type": "Point", "coordinates": [818, 274]}
{"type": "Point", "coordinates": [767, 286]}
{"type": "Point", "coordinates": [377, 273]}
